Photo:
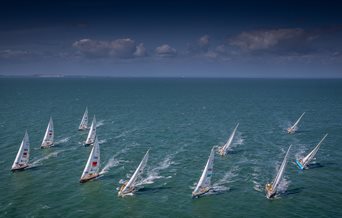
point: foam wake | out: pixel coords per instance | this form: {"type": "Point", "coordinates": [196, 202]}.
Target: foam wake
{"type": "Point", "coordinates": [100, 123]}
{"type": "Point", "coordinates": [113, 161]}
{"type": "Point", "coordinates": [39, 161]}
{"type": "Point", "coordinates": [228, 177]}
{"type": "Point", "coordinates": [153, 174]}
{"type": "Point", "coordinates": [63, 140]}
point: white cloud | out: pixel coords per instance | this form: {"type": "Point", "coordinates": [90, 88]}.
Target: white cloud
{"type": "Point", "coordinates": [119, 48]}
{"type": "Point", "coordinates": [140, 51]}
{"type": "Point", "coordinates": [165, 51]}
{"type": "Point", "coordinates": [8, 53]}
{"type": "Point", "coordinates": [265, 39]}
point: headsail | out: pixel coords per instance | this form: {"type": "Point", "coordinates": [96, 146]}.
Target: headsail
{"type": "Point", "coordinates": [204, 182]}
{"type": "Point", "coordinates": [92, 133]}
{"type": "Point", "coordinates": [49, 135]}
{"type": "Point", "coordinates": [280, 173]}
{"type": "Point", "coordinates": [130, 185]}
{"type": "Point", "coordinates": [23, 155]}
{"type": "Point", "coordinates": [306, 160]}
{"type": "Point", "coordinates": [294, 127]}
{"type": "Point", "coordinates": [224, 149]}
{"type": "Point", "coordinates": [91, 170]}
{"type": "Point", "coordinates": [84, 121]}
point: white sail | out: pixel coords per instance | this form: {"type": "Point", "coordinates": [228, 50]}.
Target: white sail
{"type": "Point", "coordinates": [92, 133]}
{"type": "Point", "coordinates": [49, 135]}
{"type": "Point", "coordinates": [224, 149]}
{"type": "Point", "coordinates": [306, 160]}
{"type": "Point", "coordinates": [280, 173]}
{"type": "Point", "coordinates": [23, 155]}
{"type": "Point", "coordinates": [84, 121]}
{"type": "Point", "coordinates": [294, 127]}
{"type": "Point", "coordinates": [130, 186]}
{"type": "Point", "coordinates": [204, 182]}
{"type": "Point", "coordinates": [91, 170]}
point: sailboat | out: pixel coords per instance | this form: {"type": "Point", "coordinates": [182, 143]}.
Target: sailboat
{"type": "Point", "coordinates": [92, 133]}
{"type": "Point", "coordinates": [294, 127]}
{"type": "Point", "coordinates": [302, 163]}
{"type": "Point", "coordinates": [204, 183]}
{"type": "Point", "coordinates": [225, 147]}
{"type": "Point", "coordinates": [49, 135]}
{"type": "Point", "coordinates": [130, 186]}
{"type": "Point", "coordinates": [22, 158]}
{"type": "Point", "coordinates": [84, 121]}
{"type": "Point", "coordinates": [271, 188]}
{"type": "Point", "coordinates": [91, 170]}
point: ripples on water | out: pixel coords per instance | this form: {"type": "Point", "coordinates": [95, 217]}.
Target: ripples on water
{"type": "Point", "coordinates": [180, 121]}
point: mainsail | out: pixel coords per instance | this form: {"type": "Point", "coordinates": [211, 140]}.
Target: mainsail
{"type": "Point", "coordinates": [84, 121]}
{"type": "Point", "coordinates": [129, 187]}
{"type": "Point", "coordinates": [49, 135]}
{"type": "Point", "coordinates": [22, 158]}
{"type": "Point", "coordinates": [224, 149]}
{"type": "Point", "coordinates": [294, 127]}
{"type": "Point", "coordinates": [280, 173]}
{"type": "Point", "coordinates": [204, 182]}
{"type": "Point", "coordinates": [91, 170]}
{"type": "Point", "coordinates": [306, 160]}
{"type": "Point", "coordinates": [92, 133]}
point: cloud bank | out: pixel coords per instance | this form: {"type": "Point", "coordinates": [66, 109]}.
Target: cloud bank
{"type": "Point", "coordinates": [120, 48]}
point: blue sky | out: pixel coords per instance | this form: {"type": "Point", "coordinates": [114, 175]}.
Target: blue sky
{"type": "Point", "coordinates": [179, 39]}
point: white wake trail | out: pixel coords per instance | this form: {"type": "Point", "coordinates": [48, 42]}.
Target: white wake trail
{"type": "Point", "coordinates": [40, 160]}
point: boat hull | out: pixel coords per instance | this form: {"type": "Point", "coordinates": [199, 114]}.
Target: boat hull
{"type": "Point", "coordinates": [19, 168]}
{"type": "Point", "coordinates": [300, 166]}
{"type": "Point", "coordinates": [88, 179]}
{"type": "Point", "coordinates": [270, 195]}
{"type": "Point", "coordinates": [290, 131]}
{"type": "Point", "coordinates": [46, 145]}
{"type": "Point", "coordinates": [222, 152]}
{"type": "Point", "coordinates": [198, 195]}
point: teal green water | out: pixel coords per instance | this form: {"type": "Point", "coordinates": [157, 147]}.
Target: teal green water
{"type": "Point", "coordinates": [180, 120]}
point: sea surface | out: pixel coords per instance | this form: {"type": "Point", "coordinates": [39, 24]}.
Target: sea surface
{"type": "Point", "coordinates": [180, 120]}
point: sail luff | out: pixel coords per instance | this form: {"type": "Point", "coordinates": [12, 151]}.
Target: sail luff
{"type": "Point", "coordinates": [20, 159]}
{"type": "Point", "coordinates": [296, 123]}
{"type": "Point", "coordinates": [136, 173]}
{"type": "Point", "coordinates": [230, 140]}
{"type": "Point", "coordinates": [92, 132]}
{"type": "Point", "coordinates": [49, 135]}
{"type": "Point", "coordinates": [312, 154]}
{"type": "Point", "coordinates": [205, 179]}
{"type": "Point", "coordinates": [280, 171]}
{"type": "Point", "coordinates": [84, 121]}
{"type": "Point", "coordinates": [92, 166]}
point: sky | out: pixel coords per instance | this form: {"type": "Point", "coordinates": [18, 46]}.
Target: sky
{"type": "Point", "coordinates": [245, 39]}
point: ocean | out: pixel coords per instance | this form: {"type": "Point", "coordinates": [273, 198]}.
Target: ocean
{"type": "Point", "coordinates": [180, 120]}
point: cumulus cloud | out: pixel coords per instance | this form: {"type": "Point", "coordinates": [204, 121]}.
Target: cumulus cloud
{"type": "Point", "coordinates": [140, 51]}
{"type": "Point", "coordinates": [119, 48]}
{"type": "Point", "coordinates": [8, 53]}
{"type": "Point", "coordinates": [165, 51]}
{"type": "Point", "coordinates": [265, 39]}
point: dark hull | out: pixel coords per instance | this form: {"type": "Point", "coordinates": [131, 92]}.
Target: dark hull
{"type": "Point", "coordinates": [88, 179]}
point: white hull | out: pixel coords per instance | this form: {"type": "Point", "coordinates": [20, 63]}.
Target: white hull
{"type": "Point", "coordinates": [46, 145]}
{"type": "Point", "coordinates": [19, 167]}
